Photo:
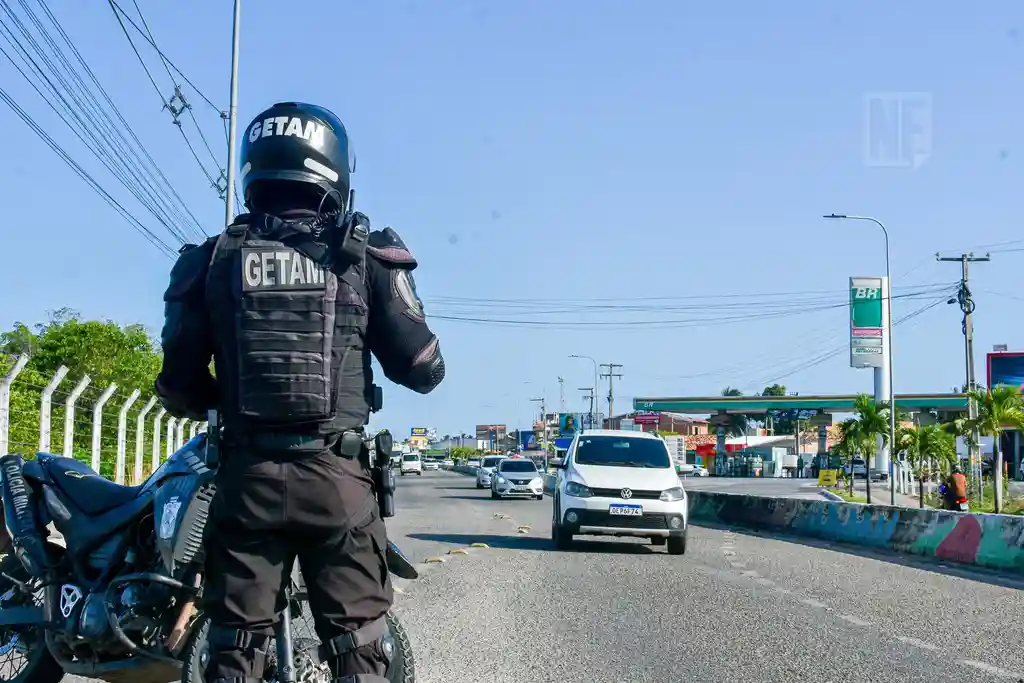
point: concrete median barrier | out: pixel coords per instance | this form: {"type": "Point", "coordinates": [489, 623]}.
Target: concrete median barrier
{"type": "Point", "coordinates": [995, 541]}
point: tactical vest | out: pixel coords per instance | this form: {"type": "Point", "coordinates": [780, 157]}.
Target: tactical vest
{"type": "Point", "coordinates": [290, 335]}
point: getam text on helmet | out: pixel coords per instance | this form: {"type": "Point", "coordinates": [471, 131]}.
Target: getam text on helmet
{"type": "Point", "coordinates": [310, 131]}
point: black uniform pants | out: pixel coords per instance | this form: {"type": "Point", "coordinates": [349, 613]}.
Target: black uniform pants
{"type": "Point", "coordinates": [268, 511]}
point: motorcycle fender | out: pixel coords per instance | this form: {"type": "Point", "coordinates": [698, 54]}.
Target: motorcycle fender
{"type": "Point", "coordinates": [399, 564]}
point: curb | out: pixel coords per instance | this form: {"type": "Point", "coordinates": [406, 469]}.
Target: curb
{"type": "Point", "coordinates": [834, 497]}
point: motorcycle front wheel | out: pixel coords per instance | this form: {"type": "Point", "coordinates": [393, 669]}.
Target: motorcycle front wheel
{"type": "Point", "coordinates": [24, 657]}
{"type": "Point", "coordinates": [402, 668]}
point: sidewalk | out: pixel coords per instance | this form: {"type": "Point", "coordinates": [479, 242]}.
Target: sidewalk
{"type": "Point", "coordinates": [880, 494]}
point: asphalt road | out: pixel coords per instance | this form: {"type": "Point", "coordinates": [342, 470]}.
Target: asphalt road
{"type": "Point", "coordinates": [736, 607]}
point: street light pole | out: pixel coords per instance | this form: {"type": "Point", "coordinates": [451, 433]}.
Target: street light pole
{"type": "Point", "coordinates": [888, 334]}
{"type": "Point", "coordinates": [543, 428]}
{"type": "Point", "coordinates": [229, 193]}
{"type": "Point", "coordinates": [575, 355]}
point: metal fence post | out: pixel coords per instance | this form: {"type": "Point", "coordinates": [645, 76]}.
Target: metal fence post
{"type": "Point", "coordinates": [69, 416]}
{"type": "Point", "coordinates": [45, 406]}
{"type": "Point", "coordinates": [140, 437]}
{"type": "Point", "coordinates": [181, 432]}
{"type": "Point", "coordinates": [97, 424]}
{"type": "Point", "coordinates": [156, 437]}
{"type": "Point", "coordinates": [122, 435]}
{"type": "Point", "coordinates": [5, 400]}
{"type": "Point", "coordinates": [193, 429]}
{"type": "Point", "coordinates": [171, 435]}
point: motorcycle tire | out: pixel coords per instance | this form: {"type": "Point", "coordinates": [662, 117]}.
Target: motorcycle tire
{"type": "Point", "coordinates": [40, 666]}
{"type": "Point", "coordinates": [402, 668]}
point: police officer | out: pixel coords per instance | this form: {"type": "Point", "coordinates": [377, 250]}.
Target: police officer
{"type": "Point", "coordinates": [289, 301]}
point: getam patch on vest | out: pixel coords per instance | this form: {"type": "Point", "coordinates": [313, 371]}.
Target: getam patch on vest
{"type": "Point", "coordinates": [280, 269]}
{"type": "Point", "coordinates": [310, 131]}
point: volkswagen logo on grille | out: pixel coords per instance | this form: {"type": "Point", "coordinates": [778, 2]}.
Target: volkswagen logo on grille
{"type": "Point", "coordinates": [626, 494]}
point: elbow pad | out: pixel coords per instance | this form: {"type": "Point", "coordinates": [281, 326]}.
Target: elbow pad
{"type": "Point", "coordinates": [428, 369]}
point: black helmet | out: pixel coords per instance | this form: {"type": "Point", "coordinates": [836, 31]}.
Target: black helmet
{"type": "Point", "coordinates": [297, 142]}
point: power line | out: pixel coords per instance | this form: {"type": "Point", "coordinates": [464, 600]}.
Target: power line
{"type": "Point", "coordinates": [674, 323]}
{"type": "Point", "coordinates": [66, 158]}
{"type": "Point", "coordinates": [832, 353]}
{"type": "Point", "coordinates": [72, 100]}
{"type": "Point", "coordinates": [177, 103]}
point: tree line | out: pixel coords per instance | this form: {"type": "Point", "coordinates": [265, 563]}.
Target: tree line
{"type": "Point", "coordinates": [930, 446]}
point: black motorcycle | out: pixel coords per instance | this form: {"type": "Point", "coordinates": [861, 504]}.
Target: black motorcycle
{"type": "Point", "coordinates": [118, 600]}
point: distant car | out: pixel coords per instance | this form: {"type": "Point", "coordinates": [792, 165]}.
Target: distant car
{"type": "Point", "coordinates": [483, 473]}
{"type": "Point", "coordinates": [448, 462]}
{"type": "Point", "coordinates": [700, 471]}
{"type": "Point", "coordinates": [473, 462]}
{"type": "Point", "coordinates": [431, 465]}
{"type": "Point", "coordinates": [517, 477]}
{"type": "Point", "coordinates": [411, 464]}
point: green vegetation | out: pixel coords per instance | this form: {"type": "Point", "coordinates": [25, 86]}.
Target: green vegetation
{"type": "Point", "coordinates": [104, 350]}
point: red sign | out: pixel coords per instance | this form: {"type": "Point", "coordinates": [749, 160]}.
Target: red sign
{"type": "Point", "coordinates": [647, 418]}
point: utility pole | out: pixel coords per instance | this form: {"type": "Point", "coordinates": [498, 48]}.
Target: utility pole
{"type": "Point", "coordinates": [229, 194]}
{"type": "Point", "coordinates": [967, 306]}
{"type": "Point", "coordinates": [588, 394]}
{"type": "Point", "coordinates": [611, 375]}
{"type": "Point", "coordinates": [561, 394]}
{"type": "Point", "coordinates": [543, 428]}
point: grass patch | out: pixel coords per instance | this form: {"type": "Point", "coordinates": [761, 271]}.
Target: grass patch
{"type": "Point", "coordinates": [847, 496]}
{"type": "Point", "coordinates": [1010, 507]}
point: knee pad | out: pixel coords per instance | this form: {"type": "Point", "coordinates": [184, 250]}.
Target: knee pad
{"type": "Point", "coordinates": [253, 647]}
{"type": "Point", "coordinates": [373, 644]}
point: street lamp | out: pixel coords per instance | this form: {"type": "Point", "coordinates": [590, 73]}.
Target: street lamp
{"type": "Point", "coordinates": [888, 332]}
{"type": "Point", "coordinates": [576, 355]}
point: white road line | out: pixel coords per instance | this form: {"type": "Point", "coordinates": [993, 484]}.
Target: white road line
{"type": "Point", "coordinates": [917, 643]}
{"type": "Point", "coordinates": [813, 603]}
{"type": "Point", "coordinates": [854, 620]}
{"type": "Point", "coordinates": [988, 668]}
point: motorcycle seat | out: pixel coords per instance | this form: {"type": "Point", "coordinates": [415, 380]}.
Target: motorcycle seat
{"type": "Point", "coordinates": [91, 493]}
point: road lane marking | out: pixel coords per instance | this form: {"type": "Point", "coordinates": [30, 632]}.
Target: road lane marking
{"type": "Point", "coordinates": [813, 603]}
{"type": "Point", "coordinates": [988, 668]}
{"type": "Point", "coordinates": [854, 620]}
{"type": "Point", "coordinates": [917, 643]}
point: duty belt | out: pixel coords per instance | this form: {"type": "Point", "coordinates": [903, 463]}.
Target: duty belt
{"type": "Point", "coordinates": [346, 444]}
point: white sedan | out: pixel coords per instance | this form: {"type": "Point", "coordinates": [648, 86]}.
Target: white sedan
{"type": "Point", "coordinates": [515, 478]}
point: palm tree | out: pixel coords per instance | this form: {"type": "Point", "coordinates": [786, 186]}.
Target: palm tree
{"type": "Point", "coordinates": [872, 422]}
{"type": "Point", "coordinates": [923, 446]}
{"type": "Point", "coordinates": [999, 408]}
{"type": "Point", "coordinates": [848, 444]}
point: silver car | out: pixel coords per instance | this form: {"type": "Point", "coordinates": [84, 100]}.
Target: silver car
{"type": "Point", "coordinates": [483, 473]}
{"type": "Point", "coordinates": [517, 478]}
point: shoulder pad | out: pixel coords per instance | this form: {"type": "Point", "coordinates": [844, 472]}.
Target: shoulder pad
{"type": "Point", "coordinates": [387, 246]}
{"type": "Point", "coordinates": [190, 269]}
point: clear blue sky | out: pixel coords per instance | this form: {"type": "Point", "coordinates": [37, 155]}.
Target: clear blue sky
{"type": "Point", "coordinates": [538, 151]}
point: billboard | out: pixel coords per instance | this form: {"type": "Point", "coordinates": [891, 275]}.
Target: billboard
{"type": "Point", "coordinates": [647, 418]}
{"type": "Point", "coordinates": [1006, 368]}
{"type": "Point", "coordinates": [569, 424]}
{"type": "Point", "coordinates": [419, 431]}
{"type": "Point", "coordinates": [491, 432]}
{"type": "Point", "coordinates": [868, 312]}
{"type": "Point", "coordinates": [528, 440]}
